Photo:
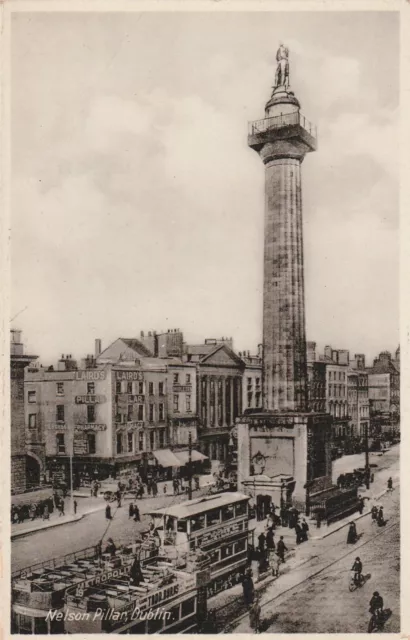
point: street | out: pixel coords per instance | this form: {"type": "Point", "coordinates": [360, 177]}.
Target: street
{"type": "Point", "coordinates": [315, 597]}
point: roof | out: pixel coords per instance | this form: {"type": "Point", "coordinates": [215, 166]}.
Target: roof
{"type": "Point", "coordinates": [137, 345]}
{"type": "Point", "coordinates": [199, 349]}
{"type": "Point", "coordinates": [383, 367]}
{"type": "Point", "coordinates": [199, 505]}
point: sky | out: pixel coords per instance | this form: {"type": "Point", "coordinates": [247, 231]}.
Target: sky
{"type": "Point", "coordinates": [137, 205]}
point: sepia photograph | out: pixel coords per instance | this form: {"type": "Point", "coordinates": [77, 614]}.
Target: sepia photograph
{"type": "Point", "coordinates": [204, 321]}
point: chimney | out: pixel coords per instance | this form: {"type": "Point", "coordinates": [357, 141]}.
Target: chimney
{"type": "Point", "coordinates": [260, 351]}
{"type": "Point", "coordinates": [97, 347]}
{"type": "Point", "coordinates": [328, 352]}
{"type": "Point", "coordinates": [141, 334]}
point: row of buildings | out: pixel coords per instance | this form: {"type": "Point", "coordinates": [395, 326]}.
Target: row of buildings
{"type": "Point", "coordinates": [139, 402]}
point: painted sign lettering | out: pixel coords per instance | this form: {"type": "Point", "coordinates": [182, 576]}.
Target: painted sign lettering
{"type": "Point", "coordinates": [89, 399]}
{"type": "Point", "coordinates": [90, 426]}
{"type": "Point", "coordinates": [90, 376]}
{"type": "Point", "coordinates": [129, 375]}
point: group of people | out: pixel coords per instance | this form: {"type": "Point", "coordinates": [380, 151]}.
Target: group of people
{"type": "Point", "coordinates": [378, 515]}
{"type": "Point", "coordinates": [41, 509]}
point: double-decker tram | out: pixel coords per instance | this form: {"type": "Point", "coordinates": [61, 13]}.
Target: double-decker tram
{"type": "Point", "coordinates": [215, 525]}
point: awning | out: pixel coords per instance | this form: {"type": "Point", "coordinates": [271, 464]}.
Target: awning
{"type": "Point", "coordinates": [166, 458]}
{"type": "Point", "coordinates": [183, 456]}
{"type": "Point", "coordinates": [32, 497]}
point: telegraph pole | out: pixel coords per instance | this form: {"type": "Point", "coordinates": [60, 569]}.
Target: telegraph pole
{"type": "Point", "coordinates": [71, 474]}
{"type": "Point", "coordinates": [366, 451]}
{"type": "Point", "coordinates": [189, 466]}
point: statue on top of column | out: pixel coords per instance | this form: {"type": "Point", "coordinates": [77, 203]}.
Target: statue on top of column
{"type": "Point", "coordinates": [282, 70]}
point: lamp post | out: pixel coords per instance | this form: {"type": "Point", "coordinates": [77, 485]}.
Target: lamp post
{"type": "Point", "coordinates": [366, 451]}
{"type": "Point", "coordinates": [189, 465]}
{"type": "Point", "coordinates": [71, 473]}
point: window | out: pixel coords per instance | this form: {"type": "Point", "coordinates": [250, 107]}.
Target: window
{"type": "Point", "coordinates": [151, 388]}
{"type": "Point", "coordinates": [129, 413]}
{"type": "Point", "coordinates": [249, 382]}
{"type": "Point", "coordinates": [198, 522]}
{"type": "Point", "coordinates": [176, 402]}
{"type": "Point", "coordinates": [151, 413]}
{"type": "Point", "coordinates": [258, 382]}
{"type": "Point", "coordinates": [182, 526]}
{"type": "Point", "coordinates": [161, 388]}
{"type": "Point", "coordinates": [213, 555]}
{"type": "Point", "coordinates": [161, 438]}
{"type": "Point", "coordinates": [60, 413]}
{"type": "Point", "coordinates": [140, 388]}
{"type": "Point", "coordinates": [240, 546]}
{"type": "Point", "coordinates": [119, 442]}
{"type": "Point", "coordinates": [60, 389]}
{"type": "Point", "coordinates": [176, 378]}
{"type": "Point", "coordinates": [228, 512]}
{"type": "Point", "coordinates": [129, 442]}
{"type": "Point", "coordinates": [118, 387]}
{"type": "Point", "coordinates": [31, 396]}
{"type": "Point", "coordinates": [152, 440]}
{"type": "Point", "coordinates": [250, 399]}
{"type": "Point", "coordinates": [188, 403]}
{"type": "Point", "coordinates": [226, 552]}
{"type": "Point", "coordinates": [188, 378]}
{"type": "Point", "coordinates": [90, 413]}
{"type": "Point", "coordinates": [140, 441]}
{"type": "Point", "coordinates": [155, 624]}
{"type": "Point", "coordinates": [174, 611]}
{"type": "Point", "coordinates": [60, 442]}
{"type": "Point", "coordinates": [140, 412]}
{"type": "Point", "coordinates": [91, 442]}
{"type": "Point", "coordinates": [241, 509]}
{"type": "Point", "coordinates": [129, 387]}
{"type": "Point", "coordinates": [258, 399]}
{"type": "Point", "coordinates": [91, 388]}
{"type": "Point", "coordinates": [161, 412]}
{"type": "Point", "coordinates": [32, 420]}
{"type": "Point", "coordinates": [188, 608]}
{"type": "Point", "coordinates": [213, 517]}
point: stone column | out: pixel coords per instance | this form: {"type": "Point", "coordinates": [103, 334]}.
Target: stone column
{"type": "Point", "coordinates": [243, 454]}
{"type": "Point", "coordinates": [224, 402]}
{"type": "Point", "coordinates": [232, 399]}
{"type": "Point", "coordinates": [208, 402]}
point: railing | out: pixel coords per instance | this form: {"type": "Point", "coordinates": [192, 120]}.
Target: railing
{"type": "Point", "coordinates": [89, 552]}
{"type": "Point", "coordinates": [277, 122]}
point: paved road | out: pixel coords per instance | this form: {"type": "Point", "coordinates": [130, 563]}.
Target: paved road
{"type": "Point", "coordinates": [315, 598]}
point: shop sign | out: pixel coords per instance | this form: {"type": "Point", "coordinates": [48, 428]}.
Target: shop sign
{"type": "Point", "coordinates": [102, 577]}
{"type": "Point", "coordinates": [217, 534]}
{"type": "Point", "coordinates": [133, 425]}
{"type": "Point", "coordinates": [90, 426]}
{"type": "Point", "coordinates": [58, 427]}
{"type": "Point", "coordinates": [89, 399]}
{"type": "Point", "coordinates": [129, 375]}
{"type": "Point", "coordinates": [80, 446]}
{"type": "Point", "coordinates": [90, 376]}
{"type": "Point", "coordinates": [177, 388]}
{"type": "Point", "coordinates": [133, 399]}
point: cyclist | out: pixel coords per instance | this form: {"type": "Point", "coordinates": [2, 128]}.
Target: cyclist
{"type": "Point", "coordinates": [376, 605]}
{"type": "Point", "coordinates": [357, 568]}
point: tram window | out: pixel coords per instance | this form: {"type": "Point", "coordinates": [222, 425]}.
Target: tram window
{"type": "Point", "coordinates": [25, 624]}
{"type": "Point", "coordinates": [241, 509]}
{"type": "Point", "coordinates": [155, 625]}
{"type": "Point", "coordinates": [198, 522]}
{"type": "Point", "coordinates": [213, 517]}
{"type": "Point", "coordinates": [240, 546]}
{"type": "Point", "coordinates": [182, 526]}
{"type": "Point", "coordinates": [214, 555]}
{"type": "Point", "coordinates": [40, 625]}
{"type": "Point", "coordinates": [226, 552]}
{"type": "Point", "coordinates": [174, 614]}
{"type": "Point", "coordinates": [188, 607]}
{"type": "Point", "coordinates": [228, 512]}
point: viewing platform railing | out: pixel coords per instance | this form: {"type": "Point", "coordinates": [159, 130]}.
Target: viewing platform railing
{"type": "Point", "coordinates": [277, 122]}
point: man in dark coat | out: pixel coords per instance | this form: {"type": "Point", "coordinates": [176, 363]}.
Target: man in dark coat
{"type": "Point", "coordinates": [270, 543]}
{"type": "Point", "coordinates": [137, 517]}
{"type": "Point", "coordinates": [248, 589]}
{"type": "Point", "coordinates": [298, 531]}
{"type": "Point", "coordinates": [131, 510]}
{"type": "Point", "coordinates": [281, 548]}
{"type": "Point", "coordinates": [261, 543]}
{"type": "Point", "coordinates": [305, 529]}
{"type": "Point", "coordinates": [108, 512]}
{"type": "Point", "coordinates": [136, 575]}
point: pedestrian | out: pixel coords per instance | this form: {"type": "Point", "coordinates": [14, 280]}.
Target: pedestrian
{"type": "Point", "coordinates": [33, 511]}
{"type": "Point", "coordinates": [390, 484]}
{"type": "Point", "coordinates": [305, 529]}
{"type": "Point", "coordinates": [274, 562]}
{"type": "Point", "coordinates": [352, 534]}
{"type": "Point", "coordinates": [46, 514]}
{"type": "Point", "coordinates": [108, 512]}
{"type": "Point", "coordinates": [118, 499]}
{"type": "Point", "coordinates": [75, 506]}
{"type": "Point", "coordinates": [130, 510]}
{"type": "Point", "coordinates": [61, 507]}
{"type": "Point", "coordinates": [374, 512]}
{"type": "Point", "coordinates": [270, 543]}
{"type": "Point", "coordinates": [154, 489]}
{"type": "Point", "coordinates": [380, 518]}
{"type": "Point", "coordinates": [165, 489]}
{"type": "Point", "coordinates": [196, 478]}
{"type": "Point", "coordinates": [137, 517]}
{"type": "Point", "coordinates": [255, 563]}
{"type": "Point", "coordinates": [149, 487]}
{"type": "Point", "coordinates": [255, 616]}
{"type": "Point", "coordinates": [360, 505]}
{"type": "Point", "coordinates": [110, 548]}
{"type": "Point", "coordinates": [298, 532]}
{"type": "Point", "coordinates": [248, 588]}
{"type": "Point", "coordinates": [261, 543]}
{"type": "Point", "coordinates": [281, 548]}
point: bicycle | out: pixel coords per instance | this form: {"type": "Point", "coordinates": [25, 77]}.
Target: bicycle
{"type": "Point", "coordinates": [376, 622]}
{"type": "Point", "coordinates": [354, 582]}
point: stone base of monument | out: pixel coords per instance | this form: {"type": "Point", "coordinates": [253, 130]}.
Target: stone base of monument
{"type": "Point", "coordinates": [285, 456]}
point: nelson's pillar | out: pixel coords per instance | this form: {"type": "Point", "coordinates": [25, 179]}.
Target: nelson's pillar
{"type": "Point", "coordinates": [283, 451]}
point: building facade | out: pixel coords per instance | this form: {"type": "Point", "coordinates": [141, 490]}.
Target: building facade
{"type": "Point", "coordinates": [252, 380]}
{"type": "Point", "coordinates": [25, 464]}
{"type": "Point", "coordinates": [358, 403]}
{"type": "Point", "coordinates": [384, 394]}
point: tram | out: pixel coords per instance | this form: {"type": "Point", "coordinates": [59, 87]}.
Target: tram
{"type": "Point", "coordinates": [217, 525]}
